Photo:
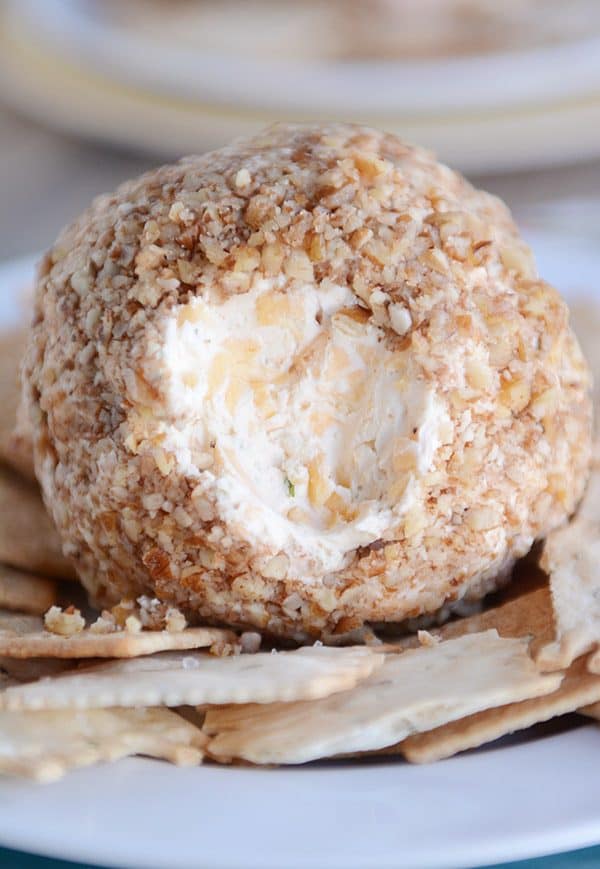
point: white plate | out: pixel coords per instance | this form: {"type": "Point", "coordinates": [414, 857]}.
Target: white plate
{"type": "Point", "coordinates": [526, 109]}
{"type": "Point", "coordinates": [518, 798]}
{"type": "Point", "coordinates": [231, 73]}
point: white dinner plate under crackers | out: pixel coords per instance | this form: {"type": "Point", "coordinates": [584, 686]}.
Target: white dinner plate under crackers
{"type": "Point", "coordinates": [532, 794]}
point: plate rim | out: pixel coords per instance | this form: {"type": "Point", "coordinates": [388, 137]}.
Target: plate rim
{"type": "Point", "coordinates": [539, 74]}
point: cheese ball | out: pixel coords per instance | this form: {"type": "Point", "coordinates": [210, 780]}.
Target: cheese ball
{"type": "Point", "coordinates": [305, 382]}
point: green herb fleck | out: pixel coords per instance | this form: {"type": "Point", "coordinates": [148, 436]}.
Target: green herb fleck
{"type": "Point", "coordinates": [290, 487]}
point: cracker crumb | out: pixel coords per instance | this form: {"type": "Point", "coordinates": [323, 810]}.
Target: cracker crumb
{"type": "Point", "coordinates": [175, 620]}
{"type": "Point", "coordinates": [133, 625]}
{"type": "Point", "coordinates": [224, 649]}
{"type": "Point", "coordinates": [155, 615]}
{"type": "Point", "coordinates": [104, 624]}
{"type": "Point", "coordinates": [250, 642]}
{"type": "Point", "coordinates": [426, 639]}
{"type": "Point", "coordinates": [150, 612]}
{"type": "Point", "coordinates": [121, 611]}
{"type": "Point", "coordinates": [65, 623]}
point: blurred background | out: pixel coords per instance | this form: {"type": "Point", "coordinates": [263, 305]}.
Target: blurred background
{"type": "Point", "coordinates": [94, 91]}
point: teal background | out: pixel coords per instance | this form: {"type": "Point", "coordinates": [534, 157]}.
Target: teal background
{"type": "Point", "coordinates": [588, 858]}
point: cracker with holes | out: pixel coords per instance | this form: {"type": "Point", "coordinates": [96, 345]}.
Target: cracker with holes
{"type": "Point", "coordinates": [45, 745]}
{"type": "Point", "coordinates": [414, 690]}
{"type": "Point", "coordinates": [26, 592]}
{"type": "Point", "coordinates": [28, 539]}
{"type": "Point", "coordinates": [529, 615]}
{"type": "Point", "coordinates": [571, 557]}
{"type": "Point", "coordinates": [578, 688]}
{"type": "Point", "coordinates": [194, 679]}
{"type": "Point", "coordinates": [29, 637]}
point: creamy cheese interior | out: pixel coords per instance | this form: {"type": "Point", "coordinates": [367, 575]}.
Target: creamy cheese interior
{"type": "Point", "coordinates": [300, 419]}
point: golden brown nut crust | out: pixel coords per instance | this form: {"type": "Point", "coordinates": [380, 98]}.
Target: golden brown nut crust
{"type": "Point", "coordinates": [316, 204]}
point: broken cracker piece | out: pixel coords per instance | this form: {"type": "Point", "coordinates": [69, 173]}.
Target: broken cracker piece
{"type": "Point", "coordinates": [414, 690]}
{"type": "Point", "coordinates": [25, 592]}
{"type": "Point", "coordinates": [22, 637]}
{"type": "Point", "coordinates": [578, 688]}
{"type": "Point", "coordinates": [571, 557]}
{"type": "Point", "coordinates": [44, 745]}
{"type": "Point", "coordinates": [28, 539]}
{"type": "Point", "coordinates": [194, 679]}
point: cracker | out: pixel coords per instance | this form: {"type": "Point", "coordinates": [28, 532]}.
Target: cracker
{"type": "Point", "coordinates": [16, 448]}
{"type": "Point", "coordinates": [594, 663]}
{"type": "Point", "coordinates": [528, 615]}
{"type": "Point", "coordinates": [592, 711]}
{"type": "Point", "coordinates": [415, 690]}
{"type": "Point", "coordinates": [44, 745]}
{"type": "Point", "coordinates": [196, 678]}
{"type": "Point", "coordinates": [26, 592]}
{"type": "Point", "coordinates": [19, 623]}
{"type": "Point", "coordinates": [29, 669]}
{"type": "Point", "coordinates": [571, 557]}
{"type": "Point", "coordinates": [22, 637]}
{"type": "Point", "coordinates": [577, 689]}
{"type": "Point", "coordinates": [28, 539]}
